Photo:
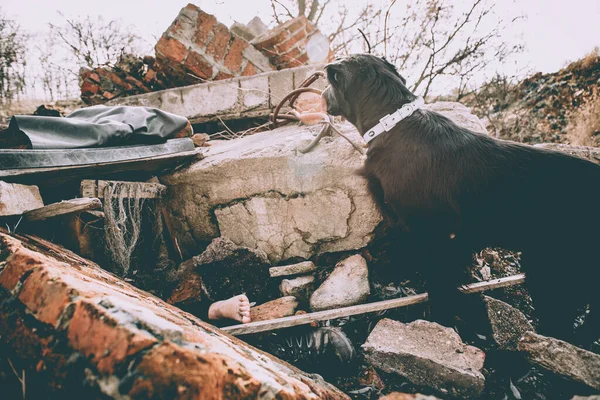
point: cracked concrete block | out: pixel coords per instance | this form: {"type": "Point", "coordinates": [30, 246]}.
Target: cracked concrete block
{"type": "Point", "coordinates": [15, 199]}
{"type": "Point", "coordinates": [255, 91]}
{"type": "Point", "coordinates": [427, 354]}
{"type": "Point", "coordinates": [262, 193]}
{"type": "Point", "coordinates": [347, 285]}
{"type": "Point", "coordinates": [508, 323]}
{"type": "Point", "coordinates": [287, 227]}
{"type": "Point", "coordinates": [562, 358]}
{"type": "Point", "coordinates": [281, 84]}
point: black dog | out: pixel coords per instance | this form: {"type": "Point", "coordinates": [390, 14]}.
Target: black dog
{"type": "Point", "coordinates": [457, 192]}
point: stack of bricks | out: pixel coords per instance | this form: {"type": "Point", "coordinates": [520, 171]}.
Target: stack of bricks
{"type": "Point", "coordinates": [130, 76]}
{"type": "Point", "coordinates": [76, 331]}
{"type": "Point", "coordinates": [286, 45]}
{"type": "Point", "coordinates": [199, 46]}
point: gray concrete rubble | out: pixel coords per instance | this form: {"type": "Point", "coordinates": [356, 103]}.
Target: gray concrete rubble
{"type": "Point", "coordinates": [260, 192]}
{"type": "Point", "coordinates": [300, 287]}
{"type": "Point", "coordinates": [15, 199]}
{"type": "Point", "coordinates": [508, 324]}
{"type": "Point", "coordinates": [562, 358]}
{"type": "Point", "coordinates": [347, 285]}
{"type": "Point", "coordinates": [427, 354]}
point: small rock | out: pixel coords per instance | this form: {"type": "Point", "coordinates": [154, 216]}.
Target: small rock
{"type": "Point", "coordinates": [300, 287]}
{"type": "Point", "coordinates": [369, 377]}
{"type": "Point", "coordinates": [200, 140]}
{"type": "Point", "coordinates": [508, 323]}
{"type": "Point", "coordinates": [347, 285]}
{"type": "Point", "coordinates": [427, 354]}
{"type": "Point", "coordinates": [562, 358]}
{"type": "Point", "coordinates": [278, 308]}
{"type": "Point", "coordinates": [15, 199]}
{"type": "Point", "coordinates": [228, 270]}
{"type": "Point", "coordinates": [293, 269]}
{"type": "Point", "coordinates": [486, 273]}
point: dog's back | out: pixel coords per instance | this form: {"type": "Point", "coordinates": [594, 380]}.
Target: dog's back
{"type": "Point", "coordinates": [436, 175]}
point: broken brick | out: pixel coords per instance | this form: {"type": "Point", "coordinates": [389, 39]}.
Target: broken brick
{"type": "Point", "coordinates": [204, 27]}
{"type": "Point", "coordinates": [113, 332]}
{"type": "Point", "coordinates": [198, 65]}
{"type": "Point", "coordinates": [170, 49]}
{"type": "Point", "coordinates": [218, 46]}
{"type": "Point", "coordinates": [233, 61]}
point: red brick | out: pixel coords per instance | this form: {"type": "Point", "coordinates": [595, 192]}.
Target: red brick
{"type": "Point", "coordinates": [272, 39]}
{"type": "Point", "coordinates": [188, 291]}
{"type": "Point", "coordinates": [150, 75]}
{"type": "Point", "coordinates": [297, 23]}
{"type": "Point", "coordinates": [292, 57]}
{"type": "Point", "coordinates": [18, 264]}
{"type": "Point", "coordinates": [196, 376]}
{"type": "Point", "coordinates": [250, 69]}
{"type": "Point", "coordinates": [96, 334]}
{"type": "Point", "coordinates": [291, 42]}
{"type": "Point", "coordinates": [234, 58]}
{"type": "Point", "coordinates": [170, 49]}
{"type": "Point", "coordinates": [222, 75]}
{"type": "Point", "coordinates": [198, 65]}
{"type": "Point", "coordinates": [46, 294]}
{"type": "Point", "coordinates": [88, 87]}
{"type": "Point", "coordinates": [218, 45]}
{"type": "Point", "coordinates": [108, 95]}
{"type": "Point", "coordinates": [94, 77]}
{"type": "Point", "coordinates": [205, 24]}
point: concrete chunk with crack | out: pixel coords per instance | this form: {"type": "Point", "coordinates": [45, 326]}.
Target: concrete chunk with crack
{"type": "Point", "coordinates": [427, 354]}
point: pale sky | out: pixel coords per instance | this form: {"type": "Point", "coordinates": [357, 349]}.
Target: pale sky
{"type": "Point", "coordinates": [555, 32]}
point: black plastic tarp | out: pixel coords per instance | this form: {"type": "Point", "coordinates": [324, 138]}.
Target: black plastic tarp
{"type": "Point", "coordinates": [99, 126]}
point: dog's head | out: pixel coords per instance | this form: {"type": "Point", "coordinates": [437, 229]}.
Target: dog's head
{"type": "Point", "coordinates": [361, 82]}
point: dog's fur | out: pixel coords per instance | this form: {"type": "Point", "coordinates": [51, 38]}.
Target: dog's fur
{"type": "Point", "coordinates": [456, 192]}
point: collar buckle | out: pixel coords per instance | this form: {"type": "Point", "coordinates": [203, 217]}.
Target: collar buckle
{"type": "Point", "coordinates": [389, 121]}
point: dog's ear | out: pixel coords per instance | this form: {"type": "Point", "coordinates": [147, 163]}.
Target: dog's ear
{"type": "Point", "coordinates": [393, 68]}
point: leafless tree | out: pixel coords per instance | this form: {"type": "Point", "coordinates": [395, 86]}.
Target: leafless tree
{"type": "Point", "coordinates": [13, 43]}
{"type": "Point", "coordinates": [93, 41]}
{"type": "Point", "coordinates": [429, 40]}
{"type": "Point", "coordinates": [340, 23]}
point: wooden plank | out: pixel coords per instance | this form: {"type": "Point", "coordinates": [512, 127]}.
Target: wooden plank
{"type": "Point", "coordinates": [303, 319]}
{"type": "Point", "coordinates": [63, 208]}
{"type": "Point", "coordinates": [95, 188]}
{"type": "Point", "coordinates": [293, 269]}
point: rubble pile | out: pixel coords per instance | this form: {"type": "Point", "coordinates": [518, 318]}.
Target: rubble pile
{"type": "Point", "coordinates": [560, 107]}
{"type": "Point", "coordinates": [198, 48]}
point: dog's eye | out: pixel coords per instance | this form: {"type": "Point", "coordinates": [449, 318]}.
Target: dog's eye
{"type": "Point", "coordinates": [333, 76]}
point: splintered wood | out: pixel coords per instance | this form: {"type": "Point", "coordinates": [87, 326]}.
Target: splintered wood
{"type": "Point", "coordinates": [63, 208]}
{"type": "Point", "coordinates": [274, 324]}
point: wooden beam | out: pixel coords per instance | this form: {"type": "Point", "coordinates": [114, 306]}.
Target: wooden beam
{"type": "Point", "coordinates": [95, 188]}
{"type": "Point", "coordinates": [63, 208]}
{"type": "Point", "coordinates": [303, 319]}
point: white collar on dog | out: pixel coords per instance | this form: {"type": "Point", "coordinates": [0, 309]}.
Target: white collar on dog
{"type": "Point", "coordinates": [391, 120]}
